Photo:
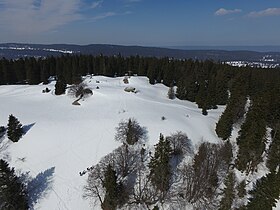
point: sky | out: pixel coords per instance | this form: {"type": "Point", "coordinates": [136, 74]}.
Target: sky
{"type": "Point", "coordinates": [141, 22]}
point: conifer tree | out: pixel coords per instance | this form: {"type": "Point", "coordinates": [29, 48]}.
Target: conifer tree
{"type": "Point", "coordinates": [228, 192]}
{"type": "Point", "coordinates": [273, 160]}
{"type": "Point", "coordinates": [160, 169]}
{"type": "Point", "coordinates": [2, 131]}
{"type": "Point", "coordinates": [115, 193]}
{"type": "Point", "coordinates": [265, 192]}
{"type": "Point", "coordinates": [60, 87]}
{"type": "Point", "coordinates": [13, 194]}
{"type": "Point", "coordinates": [171, 92]}
{"type": "Point", "coordinates": [15, 130]}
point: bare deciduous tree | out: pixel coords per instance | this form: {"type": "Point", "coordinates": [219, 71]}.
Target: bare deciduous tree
{"type": "Point", "coordinates": [180, 144]}
{"type": "Point", "coordinates": [130, 132]}
{"type": "Point", "coordinates": [200, 180]}
{"type": "Point", "coordinates": [80, 91]}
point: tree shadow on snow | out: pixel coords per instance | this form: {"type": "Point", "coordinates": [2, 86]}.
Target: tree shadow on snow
{"type": "Point", "coordinates": [39, 187]}
{"type": "Point", "coordinates": [26, 128]}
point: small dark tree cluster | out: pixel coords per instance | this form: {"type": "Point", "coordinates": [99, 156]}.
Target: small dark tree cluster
{"type": "Point", "coordinates": [13, 194]}
{"type": "Point", "coordinates": [14, 129]}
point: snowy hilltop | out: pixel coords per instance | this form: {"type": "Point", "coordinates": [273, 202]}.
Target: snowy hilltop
{"type": "Point", "coordinates": [63, 140]}
{"type": "Point", "coordinates": [72, 143]}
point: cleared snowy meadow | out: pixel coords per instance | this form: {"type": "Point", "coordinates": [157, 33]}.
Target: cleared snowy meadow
{"type": "Point", "coordinates": [62, 140]}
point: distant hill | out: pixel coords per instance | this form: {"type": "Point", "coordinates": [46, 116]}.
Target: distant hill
{"type": "Point", "coordinates": [14, 51]}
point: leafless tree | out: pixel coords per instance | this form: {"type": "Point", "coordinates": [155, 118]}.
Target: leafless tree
{"type": "Point", "coordinates": [94, 188]}
{"type": "Point", "coordinates": [180, 144]}
{"type": "Point", "coordinates": [126, 159]}
{"type": "Point", "coordinates": [80, 91]}
{"type": "Point", "coordinates": [200, 180]}
{"type": "Point", "coordinates": [130, 132]}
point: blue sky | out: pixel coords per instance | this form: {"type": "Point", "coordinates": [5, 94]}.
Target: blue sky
{"type": "Point", "coordinates": [141, 22]}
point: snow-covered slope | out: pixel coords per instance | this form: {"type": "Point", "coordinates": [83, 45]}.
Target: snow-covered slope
{"type": "Point", "coordinates": [63, 139]}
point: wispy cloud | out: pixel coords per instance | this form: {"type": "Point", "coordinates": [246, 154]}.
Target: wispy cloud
{"type": "Point", "coordinates": [266, 12]}
{"type": "Point", "coordinates": [131, 1]}
{"type": "Point", "coordinates": [109, 14]}
{"type": "Point", "coordinates": [223, 11]}
{"type": "Point", "coordinates": [96, 4]}
{"type": "Point", "coordinates": [36, 16]}
{"type": "Point", "coordinates": [103, 16]}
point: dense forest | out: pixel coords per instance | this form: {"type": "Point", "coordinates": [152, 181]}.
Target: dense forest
{"type": "Point", "coordinates": [252, 96]}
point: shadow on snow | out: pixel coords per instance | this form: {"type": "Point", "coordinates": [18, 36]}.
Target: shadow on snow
{"type": "Point", "coordinates": [26, 128]}
{"type": "Point", "coordinates": [39, 187]}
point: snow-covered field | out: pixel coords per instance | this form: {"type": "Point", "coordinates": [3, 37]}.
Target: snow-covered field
{"type": "Point", "coordinates": [63, 139]}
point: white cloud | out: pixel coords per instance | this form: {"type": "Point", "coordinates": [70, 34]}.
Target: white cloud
{"type": "Point", "coordinates": [36, 16]}
{"type": "Point", "coordinates": [96, 4]}
{"type": "Point", "coordinates": [103, 16]}
{"type": "Point", "coordinates": [266, 12]}
{"type": "Point", "coordinates": [223, 11]}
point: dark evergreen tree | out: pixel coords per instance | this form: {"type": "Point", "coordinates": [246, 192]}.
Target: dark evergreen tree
{"type": "Point", "coordinates": [252, 137]}
{"type": "Point", "coordinates": [265, 193]}
{"type": "Point", "coordinates": [13, 194]}
{"type": "Point", "coordinates": [14, 129]}
{"type": "Point", "coordinates": [273, 160]}
{"type": "Point", "coordinates": [60, 87]}
{"type": "Point", "coordinates": [228, 192]}
{"type": "Point", "coordinates": [171, 93]}
{"type": "Point", "coordinates": [160, 168]}
{"type": "Point", "coordinates": [2, 131]}
{"type": "Point", "coordinates": [241, 189]}
{"type": "Point", "coordinates": [115, 193]}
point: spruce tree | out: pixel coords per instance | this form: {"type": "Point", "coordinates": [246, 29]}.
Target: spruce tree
{"type": "Point", "coordinates": [160, 168]}
{"type": "Point", "coordinates": [111, 186]}
{"type": "Point", "coordinates": [273, 161]}
{"type": "Point", "coordinates": [15, 130]}
{"type": "Point", "coordinates": [171, 92]}
{"type": "Point", "coordinates": [13, 194]}
{"type": "Point", "coordinates": [60, 87]}
{"type": "Point", "coordinates": [228, 192]}
{"type": "Point", "coordinates": [2, 131]}
{"type": "Point", "coordinates": [265, 192]}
